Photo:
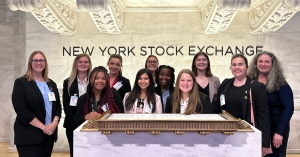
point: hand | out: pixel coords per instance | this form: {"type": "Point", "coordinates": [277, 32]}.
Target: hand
{"type": "Point", "coordinates": [277, 140]}
{"type": "Point", "coordinates": [50, 128]}
{"type": "Point", "coordinates": [92, 115]}
{"type": "Point", "coordinates": [265, 151]}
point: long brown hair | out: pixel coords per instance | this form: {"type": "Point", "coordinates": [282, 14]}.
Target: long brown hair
{"type": "Point", "coordinates": [107, 96]}
{"type": "Point", "coordinates": [194, 68]}
{"type": "Point", "coordinates": [194, 99]}
{"type": "Point", "coordinates": [29, 75]}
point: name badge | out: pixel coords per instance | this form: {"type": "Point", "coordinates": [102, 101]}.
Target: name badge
{"type": "Point", "coordinates": [105, 107]}
{"type": "Point", "coordinates": [73, 100]}
{"type": "Point", "coordinates": [222, 99]}
{"type": "Point", "coordinates": [118, 85]}
{"type": "Point", "coordinates": [51, 96]}
{"type": "Point", "coordinates": [148, 109]}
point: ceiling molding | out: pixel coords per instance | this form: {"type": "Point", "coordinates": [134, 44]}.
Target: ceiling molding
{"type": "Point", "coordinates": [59, 16]}
{"type": "Point", "coordinates": [106, 14]}
{"type": "Point", "coordinates": [270, 15]}
{"type": "Point", "coordinates": [55, 15]}
{"type": "Point", "coordinates": [218, 14]}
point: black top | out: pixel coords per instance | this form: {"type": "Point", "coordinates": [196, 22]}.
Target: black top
{"type": "Point", "coordinates": [70, 111]}
{"type": "Point", "coordinates": [125, 88]}
{"type": "Point", "coordinates": [234, 98]}
{"type": "Point", "coordinates": [28, 103]}
{"type": "Point", "coordinates": [259, 104]}
{"type": "Point", "coordinates": [204, 90]}
{"type": "Point", "coordinates": [79, 117]}
{"type": "Point", "coordinates": [207, 107]}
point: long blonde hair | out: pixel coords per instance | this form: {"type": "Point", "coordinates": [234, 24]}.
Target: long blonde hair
{"type": "Point", "coordinates": [74, 71]}
{"type": "Point", "coordinates": [29, 75]}
{"type": "Point", "coordinates": [275, 76]}
{"type": "Point", "coordinates": [193, 95]}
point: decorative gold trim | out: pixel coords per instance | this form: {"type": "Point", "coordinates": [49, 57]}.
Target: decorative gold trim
{"type": "Point", "coordinates": [156, 126]}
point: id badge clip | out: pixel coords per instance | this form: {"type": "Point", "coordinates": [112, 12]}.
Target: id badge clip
{"type": "Point", "coordinates": [73, 100]}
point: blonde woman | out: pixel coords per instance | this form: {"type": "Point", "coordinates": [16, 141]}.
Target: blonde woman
{"type": "Point", "coordinates": [186, 99]}
{"type": "Point", "coordinates": [75, 86]}
{"type": "Point", "coordinates": [35, 99]}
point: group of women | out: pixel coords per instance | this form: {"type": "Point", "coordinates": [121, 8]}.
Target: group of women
{"type": "Point", "coordinates": [261, 96]}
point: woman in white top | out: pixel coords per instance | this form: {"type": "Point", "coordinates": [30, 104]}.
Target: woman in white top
{"type": "Point", "coordinates": [142, 98]}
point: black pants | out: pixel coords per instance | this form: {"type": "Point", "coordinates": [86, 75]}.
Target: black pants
{"type": "Point", "coordinates": [43, 149]}
{"type": "Point", "coordinates": [69, 133]}
{"type": "Point", "coordinates": [281, 151]}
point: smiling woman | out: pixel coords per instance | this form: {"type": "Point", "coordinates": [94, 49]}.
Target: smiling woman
{"type": "Point", "coordinates": [35, 99]}
{"type": "Point", "coordinates": [115, 79]}
{"type": "Point", "coordinates": [98, 98]}
{"type": "Point", "coordinates": [142, 98]}
{"type": "Point", "coordinates": [245, 99]}
{"type": "Point", "coordinates": [186, 99]}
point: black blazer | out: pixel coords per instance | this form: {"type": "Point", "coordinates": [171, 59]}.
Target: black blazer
{"type": "Point", "coordinates": [28, 103]}
{"type": "Point", "coordinates": [70, 111]}
{"type": "Point", "coordinates": [157, 91]}
{"type": "Point", "coordinates": [260, 106]}
{"type": "Point", "coordinates": [79, 117]}
{"type": "Point", "coordinates": [207, 107]}
{"type": "Point", "coordinates": [125, 88]}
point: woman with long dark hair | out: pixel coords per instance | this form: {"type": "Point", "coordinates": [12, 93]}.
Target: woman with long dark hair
{"type": "Point", "coordinates": [98, 98]}
{"type": "Point", "coordinates": [142, 98]}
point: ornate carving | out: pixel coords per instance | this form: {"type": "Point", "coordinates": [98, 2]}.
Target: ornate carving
{"type": "Point", "coordinates": [218, 15]}
{"type": "Point", "coordinates": [107, 15]}
{"type": "Point", "coordinates": [90, 125]}
{"type": "Point", "coordinates": [56, 15]}
{"type": "Point", "coordinates": [263, 18]}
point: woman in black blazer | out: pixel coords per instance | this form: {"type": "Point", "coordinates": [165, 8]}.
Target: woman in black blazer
{"type": "Point", "coordinates": [165, 83]}
{"type": "Point", "coordinates": [234, 97]}
{"type": "Point", "coordinates": [186, 99]}
{"type": "Point", "coordinates": [98, 98]}
{"type": "Point", "coordinates": [115, 79]}
{"type": "Point", "coordinates": [75, 86]}
{"type": "Point", "coordinates": [36, 101]}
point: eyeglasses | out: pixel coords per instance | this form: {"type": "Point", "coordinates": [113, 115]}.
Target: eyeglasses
{"type": "Point", "coordinates": [38, 60]}
{"type": "Point", "coordinates": [152, 62]}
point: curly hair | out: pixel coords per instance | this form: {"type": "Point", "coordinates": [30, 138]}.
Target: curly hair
{"type": "Point", "coordinates": [172, 71]}
{"type": "Point", "coordinates": [276, 78]}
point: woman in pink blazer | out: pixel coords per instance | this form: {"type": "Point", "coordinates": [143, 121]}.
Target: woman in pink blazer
{"type": "Point", "coordinates": [142, 98]}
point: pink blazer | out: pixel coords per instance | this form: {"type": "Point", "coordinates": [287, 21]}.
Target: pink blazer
{"type": "Point", "coordinates": [133, 110]}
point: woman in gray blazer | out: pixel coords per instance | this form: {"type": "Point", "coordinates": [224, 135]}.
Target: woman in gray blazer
{"type": "Point", "coordinates": [207, 82]}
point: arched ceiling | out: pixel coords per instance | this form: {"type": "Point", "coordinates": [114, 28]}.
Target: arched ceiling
{"type": "Point", "coordinates": [59, 16]}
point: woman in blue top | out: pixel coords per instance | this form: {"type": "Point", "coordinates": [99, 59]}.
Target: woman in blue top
{"type": "Point", "coordinates": [265, 68]}
{"type": "Point", "coordinates": [35, 99]}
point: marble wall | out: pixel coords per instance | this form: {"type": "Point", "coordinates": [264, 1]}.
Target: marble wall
{"type": "Point", "coordinates": [21, 34]}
